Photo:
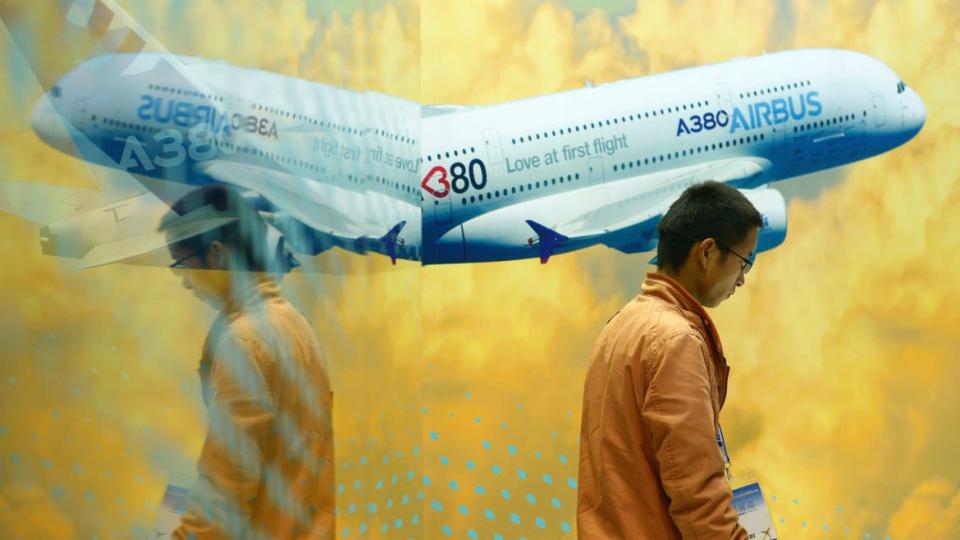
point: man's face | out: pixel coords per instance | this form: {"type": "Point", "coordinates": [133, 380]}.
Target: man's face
{"type": "Point", "coordinates": [200, 273]}
{"type": "Point", "coordinates": [725, 272]}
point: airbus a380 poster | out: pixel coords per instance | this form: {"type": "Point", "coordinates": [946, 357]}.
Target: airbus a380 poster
{"type": "Point", "coordinates": [422, 160]}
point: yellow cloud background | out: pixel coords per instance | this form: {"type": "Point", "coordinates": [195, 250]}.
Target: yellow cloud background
{"type": "Point", "coordinates": [842, 344]}
{"type": "Point", "coordinates": [100, 402]}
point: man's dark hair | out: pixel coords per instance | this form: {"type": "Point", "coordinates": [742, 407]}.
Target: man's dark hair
{"type": "Point", "coordinates": [706, 210]}
{"type": "Point", "coordinates": [245, 236]}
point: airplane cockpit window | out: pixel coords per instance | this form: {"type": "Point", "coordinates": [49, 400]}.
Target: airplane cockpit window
{"type": "Point", "coordinates": [901, 87]}
{"type": "Point", "coordinates": [55, 91]}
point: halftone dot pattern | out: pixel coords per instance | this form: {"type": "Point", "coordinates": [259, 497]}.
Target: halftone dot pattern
{"type": "Point", "coordinates": [476, 478]}
{"type": "Point", "coordinates": [524, 487]}
{"type": "Point", "coordinates": [377, 484]}
{"type": "Point", "coordinates": [490, 477]}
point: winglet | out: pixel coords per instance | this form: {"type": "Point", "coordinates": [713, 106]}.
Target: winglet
{"type": "Point", "coordinates": [547, 239]}
{"type": "Point", "coordinates": [391, 241]}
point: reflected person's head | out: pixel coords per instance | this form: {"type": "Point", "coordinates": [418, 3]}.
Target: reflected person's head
{"type": "Point", "coordinates": [708, 239]}
{"type": "Point", "coordinates": [213, 262]}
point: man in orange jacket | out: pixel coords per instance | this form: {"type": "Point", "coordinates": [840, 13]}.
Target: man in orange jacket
{"type": "Point", "coordinates": [650, 465]}
{"type": "Point", "coordinates": [266, 469]}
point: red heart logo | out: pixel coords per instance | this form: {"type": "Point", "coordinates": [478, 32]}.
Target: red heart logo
{"type": "Point", "coordinates": [443, 182]}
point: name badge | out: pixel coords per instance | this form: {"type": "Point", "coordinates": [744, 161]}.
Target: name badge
{"type": "Point", "coordinates": [753, 512]}
{"type": "Point", "coordinates": [168, 515]}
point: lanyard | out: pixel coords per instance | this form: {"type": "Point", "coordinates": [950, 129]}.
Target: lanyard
{"type": "Point", "coordinates": [722, 443]}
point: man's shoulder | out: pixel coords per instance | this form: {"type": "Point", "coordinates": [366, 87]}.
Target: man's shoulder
{"type": "Point", "coordinates": [653, 319]}
{"type": "Point", "coordinates": [272, 327]}
{"type": "Point", "coordinates": [254, 320]}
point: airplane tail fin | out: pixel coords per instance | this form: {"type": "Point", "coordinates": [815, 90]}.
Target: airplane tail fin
{"type": "Point", "coordinates": [391, 241]}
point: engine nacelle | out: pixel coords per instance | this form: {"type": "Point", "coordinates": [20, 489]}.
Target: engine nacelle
{"type": "Point", "coordinates": [773, 209]}
{"type": "Point", "coordinates": [75, 235]}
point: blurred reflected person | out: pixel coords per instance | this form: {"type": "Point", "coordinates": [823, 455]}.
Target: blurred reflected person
{"type": "Point", "coordinates": [650, 465]}
{"type": "Point", "coordinates": [266, 469]}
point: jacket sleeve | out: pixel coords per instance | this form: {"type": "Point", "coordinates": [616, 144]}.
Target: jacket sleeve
{"type": "Point", "coordinates": [677, 410]}
{"type": "Point", "coordinates": [230, 465]}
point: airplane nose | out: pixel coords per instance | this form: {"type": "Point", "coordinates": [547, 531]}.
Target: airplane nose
{"type": "Point", "coordinates": [49, 125]}
{"type": "Point", "coordinates": [918, 112]}
{"type": "Point", "coordinates": [41, 116]}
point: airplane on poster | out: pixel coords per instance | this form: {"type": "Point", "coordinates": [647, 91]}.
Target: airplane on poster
{"type": "Point", "coordinates": [528, 178]}
{"type": "Point", "coordinates": [600, 165]}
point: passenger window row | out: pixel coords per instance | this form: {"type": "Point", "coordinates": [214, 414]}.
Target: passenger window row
{"type": "Point", "coordinates": [331, 125]}
{"type": "Point", "coordinates": [182, 92]}
{"type": "Point", "coordinates": [684, 153]}
{"type": "Point", "coordinates": [279, 158]}
{"type": "Point", "coordinates": [390, 183]}
{"type": "Point", "coordinates": [825, 122]}
{"type": "Point", "coordinates": [126, 125]}
{"type": "Point", "coordinates": [774, 89]}
{"type": "Point", "coordinates": [394, 136]}
{"type": "Point", "coordinates": [456, 153]}
{"type": "Point", "coordinates": [608, 122]}
{"type": "Point", "coordinates": [496, 194]}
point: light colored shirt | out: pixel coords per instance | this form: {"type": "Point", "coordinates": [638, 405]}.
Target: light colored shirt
{"type": "Point", "coordinates": [266, 469]}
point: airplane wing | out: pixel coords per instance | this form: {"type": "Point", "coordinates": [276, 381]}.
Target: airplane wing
{"type": "Point", "coordinates": [627, 222]}
{"type": "Point", "coordinates": [96, 228]}
{"type": "Point", "coordinates": [130, 248]}
{"type": "Point", "coordinates": [364, 217]}
{"type": "Point", "coordinates": [44, 203]}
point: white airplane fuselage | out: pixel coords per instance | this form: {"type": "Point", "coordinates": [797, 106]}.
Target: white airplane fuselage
{"type": "Point", "coordinates": [552, 158]}
{"type": "Point", "coordinates": [584, 163]}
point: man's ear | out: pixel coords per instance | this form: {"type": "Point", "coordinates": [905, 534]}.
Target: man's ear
{"type": "Point", "coordinates": [216, 256]}
{"type": "Point", "coordinates": [706, 249]}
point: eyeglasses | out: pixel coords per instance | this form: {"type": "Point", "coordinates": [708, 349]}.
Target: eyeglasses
{"type": "Point", "coordinates": [745, 263]}
{"type": "Point", "coordinates": [179, 262]}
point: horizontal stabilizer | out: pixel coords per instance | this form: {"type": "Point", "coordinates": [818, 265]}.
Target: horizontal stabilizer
{"type": "Point", "coordinates": [386, 244]}
{"type": "Point", "coordinates": [547, 240]}
{"type": "Point", "coordinates": [390, 241]}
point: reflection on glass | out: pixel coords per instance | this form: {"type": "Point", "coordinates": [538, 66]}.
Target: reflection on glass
{"type": "Point", "coordinates": [266, 469]}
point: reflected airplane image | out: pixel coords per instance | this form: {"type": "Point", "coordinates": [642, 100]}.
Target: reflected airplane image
{"type": "Point", "coordinates": [450, 184]}
{"type": "Point", "coordinates": [329, 166]}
